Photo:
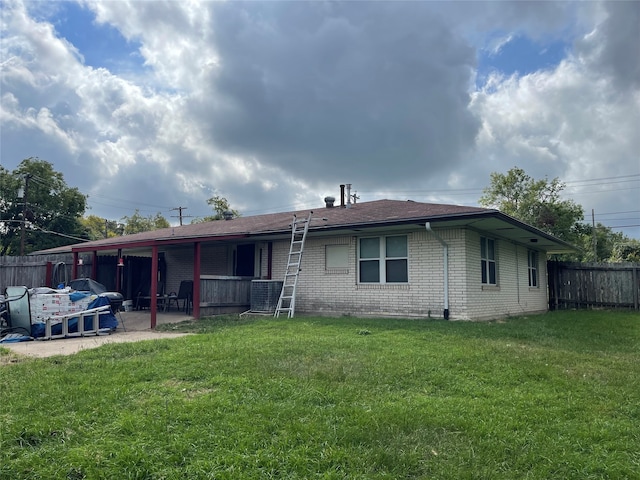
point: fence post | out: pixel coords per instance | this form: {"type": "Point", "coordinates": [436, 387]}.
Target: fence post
{"type": "Point", "coordinates": [635, 287]}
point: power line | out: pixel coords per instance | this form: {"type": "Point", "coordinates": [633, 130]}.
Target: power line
{"type": "Point", "coordinates": [571, 184]}
{"type": "Point", "coordinates": [575, 191]}
{"type": "Point", "coordinates": [625, 226]}
{"type": "Point", "coordinates": [36, 227]}
{"type": "Point", "coordinates": [634, 175]}
{"type": "Point", "coordinates": [128, 202]}
{"type": "Point", "coordinates": [615, 219]}
{"type": "Point", "coordinates": [616, 213]}
{"type": "Point", "coordinates": [128, 208]}
{"type": "Point", "coordinates": [59, 234]}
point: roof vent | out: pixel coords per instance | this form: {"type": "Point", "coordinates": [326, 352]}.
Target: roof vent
{"type": "Point", "coordinates": [328, 201]}
{"type": "Point", "coordinates": [227, 214]}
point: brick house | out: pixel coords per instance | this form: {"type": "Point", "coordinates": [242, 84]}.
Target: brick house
{"type": "Point", "coordinates": [378, 258]}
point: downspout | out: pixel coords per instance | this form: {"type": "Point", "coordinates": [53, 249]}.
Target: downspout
{"type": "Point", "coordinates": [445, 314]}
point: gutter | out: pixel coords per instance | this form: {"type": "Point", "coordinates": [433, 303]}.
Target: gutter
{"type": "Point", "coordinates": [445, 246]}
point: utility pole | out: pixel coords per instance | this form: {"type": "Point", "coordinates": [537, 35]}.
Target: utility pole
{"type": "Point", "coordinates": [106, 228]}
{"type": "Point", "coordinates": [24, 213]}
{"type": "Point", "coordinates": [593, 231]}
{"type": "Point", "coordinates": [180, 213]}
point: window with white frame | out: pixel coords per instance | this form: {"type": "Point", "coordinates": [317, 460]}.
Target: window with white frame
{"type": "Point", "coordinates": [383, 259]}
{"type": "Point", "coordinates": [532, 264]}
{"type": "Point", "coordinates": [488, 260]}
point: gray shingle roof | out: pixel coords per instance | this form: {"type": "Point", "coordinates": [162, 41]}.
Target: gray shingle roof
{"type": "Point", "coordinates": [361, 214]}
{"type": "Point", "coordinates": [379, 212]}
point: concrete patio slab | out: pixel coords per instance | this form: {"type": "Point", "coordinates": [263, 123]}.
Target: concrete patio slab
{"type": "Point", "coordinates": [132, 327]}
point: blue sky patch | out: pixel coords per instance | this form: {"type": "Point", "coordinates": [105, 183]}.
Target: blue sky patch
{"type": "Point", "coordinates": [100, 44]}
{"type": "Point", "coordinates": [515, 53]}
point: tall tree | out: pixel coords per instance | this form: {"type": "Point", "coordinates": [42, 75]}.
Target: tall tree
{"type": "Point", "coordinates": [602, 250]}
{"type": "Point", "coordinates": [536, 202]}
{"type": "Point", "coordinates": [220, 206]}
{"type": "Point", "coordinates": [38, 209]}
{"type": "Point", "coordinates": [627, 250]}
{"type": "Point", "coordinates": [137, 223]}
{"type": "Point", "coordinates": [99, 227]}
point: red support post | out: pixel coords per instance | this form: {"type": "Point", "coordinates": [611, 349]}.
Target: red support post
{"type": "Point", "coordinates": [94, 265]}
{"type": "Point", "coordinates": [196, 280]}
{"type": "Point", "coordinates": [118, 271]}
{"type": "Point", "coordinates": [74, 267]}
{"type": "Point", "coordinates": [48, 275]}
{"type": "Point", "coordinates": [153, 301]}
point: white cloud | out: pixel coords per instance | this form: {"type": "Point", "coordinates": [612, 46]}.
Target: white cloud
{"type": "Point", "coordinates": [573, 123]}
{"type": "Point", "coordinates": [273, 104]}
{"type": "Point", "coordinates": [496, 45]}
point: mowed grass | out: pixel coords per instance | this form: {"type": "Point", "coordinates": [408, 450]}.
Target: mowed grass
{"type": "Point", "coordinates": [543, 397]}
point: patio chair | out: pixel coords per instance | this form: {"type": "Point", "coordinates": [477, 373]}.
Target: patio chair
{"type": "Point", "coordinates": [143, 299]}
{"type": "Point", "coordinates": [185, 293]}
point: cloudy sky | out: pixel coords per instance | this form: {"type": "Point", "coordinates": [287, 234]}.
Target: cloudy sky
{"type": "Point", "coordinates": [158, 105]}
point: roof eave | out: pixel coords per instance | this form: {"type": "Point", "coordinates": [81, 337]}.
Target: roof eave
{"type": "Point", "coordinates": [558, 245]}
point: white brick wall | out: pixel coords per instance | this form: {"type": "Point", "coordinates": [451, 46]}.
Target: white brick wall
{"type": "Point", "coordinates": [336, 291]}
{"type": "Point", "coordinates": [512, 294]}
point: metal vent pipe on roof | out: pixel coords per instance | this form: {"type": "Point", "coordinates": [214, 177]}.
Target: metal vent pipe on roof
{"type": "Point", "coordinates": [342, 196]}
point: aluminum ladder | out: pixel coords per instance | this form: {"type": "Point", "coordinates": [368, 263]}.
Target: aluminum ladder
{"type": "Point", "coordinates": [287, 300]}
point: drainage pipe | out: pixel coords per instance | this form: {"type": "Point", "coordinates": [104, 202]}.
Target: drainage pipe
{"type": "Point", "coordinates": [446, 269]}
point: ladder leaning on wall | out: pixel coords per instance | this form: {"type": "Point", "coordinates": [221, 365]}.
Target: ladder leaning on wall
{"type": "Point", "coordinates": [287, 300]}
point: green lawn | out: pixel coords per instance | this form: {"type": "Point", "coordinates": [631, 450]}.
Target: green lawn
{"type": "Point", "coordinates": [544, 397]}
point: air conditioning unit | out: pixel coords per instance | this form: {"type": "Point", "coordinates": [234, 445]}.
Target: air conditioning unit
{"type": "Point", "coordinates": [265, 295]}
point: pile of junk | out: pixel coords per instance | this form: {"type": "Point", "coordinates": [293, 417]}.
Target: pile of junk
{"type": "Point", "coordinates": [81, 308]}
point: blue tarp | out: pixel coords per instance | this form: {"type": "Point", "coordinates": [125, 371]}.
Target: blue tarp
{"type": "Point", "coordinates": [15, 338]}
{"type": "Point", "coordinates": [106, 320]}
{"type": "Point", "coordinates": [75, 296]}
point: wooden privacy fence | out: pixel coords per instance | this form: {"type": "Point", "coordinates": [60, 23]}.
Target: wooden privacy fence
{"type": "Point", "coordinates": [589, 285]}
{"type": "Point", "coordinates": [31, 271]}
{"type": "Point", "coordinates": [221, 290]}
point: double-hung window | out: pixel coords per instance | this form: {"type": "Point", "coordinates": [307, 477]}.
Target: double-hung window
{"type": "Point", "coordinates": [532, 265]}
{"type": "Point", "coordinates": [383, 259]}
{"type": "Point", "coordinates": [488, 260]}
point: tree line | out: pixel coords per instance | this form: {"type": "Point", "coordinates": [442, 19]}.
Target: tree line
{"type": "Point", "coordinates": [538, 203]}
{"type": "Point", "coordinates": [39, 211]}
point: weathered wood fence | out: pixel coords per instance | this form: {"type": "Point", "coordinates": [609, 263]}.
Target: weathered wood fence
{"type": "Point", "coordinates": [589, 285]}
{"type": "Point", "coordinates": [224, 294]}
{"type": "Point", "coordinates": [220, 290]}
{"type": "Point", "coordinates": [32, 271]}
